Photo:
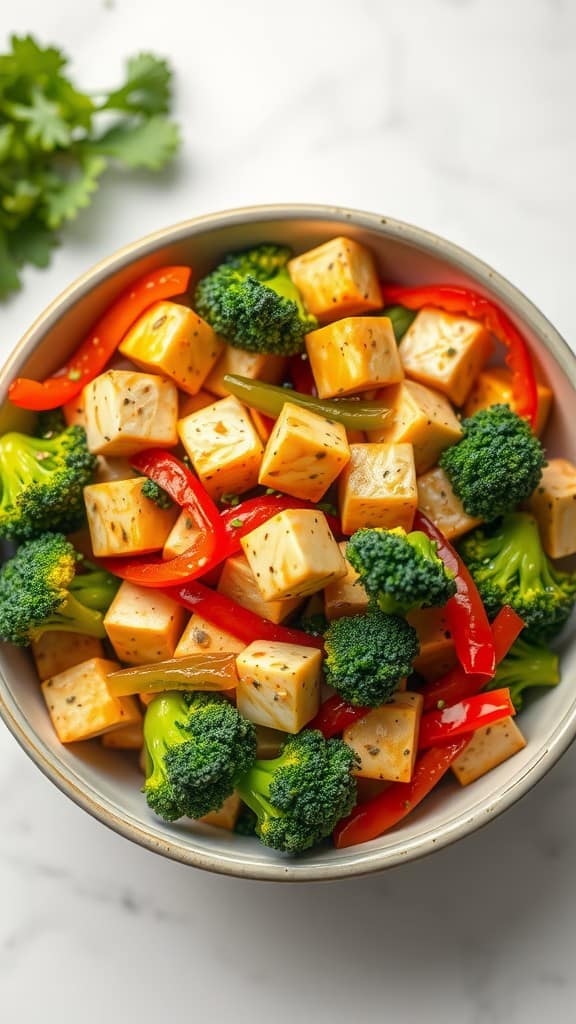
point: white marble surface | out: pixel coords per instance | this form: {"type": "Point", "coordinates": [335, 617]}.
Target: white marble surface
{"type": "Point", "coordinates": [454, 114]}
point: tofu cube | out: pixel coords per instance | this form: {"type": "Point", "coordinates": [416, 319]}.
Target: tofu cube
{"type": "Point", "coordinates": [358, 353]}
{"type": "Point", "coordinates": [201, 636]}
{"type": "Point", "coordinates": [378, 487]}
{"type": "Point", "coordinates": [337, 279]}
{"type": "Point", "coordinates": [227, 816]}
{"type": "Point", "coordinates": [143, 625]}
{"type": "Point", "coordinates": [126, 737]}
{"type": "Point", "coordinates": [494, 387]}
{"type": "Point", "coordinates": [279, 685]}
{"type": "Point", "coordinates": [554, 506]}
{"type": "Point", "coordinates": [293, 554]}
{"type": "Point", "coordinates": [345, 596]}
{"type": "Point", "coordinates": [421, 417]}
{"type": "Point", "coordinates": [256, 366]}
{"type": "Point", "coordinates": [488, 748]}
{"type": "Point", "coordinates": [80, 704]}
{"type": "Point", "coordinates": [57, 651]}
{"type": "Point", "coordinates": [239, 583]}
{"type": "Point", "coordinates": [112, 469]}
{"type": "Point", "coordinates": [127, 411]}
{"type": "Point", "coordinates": [437, 501]}
{"type": "Point", "coordinates": [188, 404]}
{"type": "Point", "coordinates": [437, 652]}
{"type": "Point", "coordinates": [264, 424]}
{"type": "Point", "coordinates": [123, 521]}
{"type": "Point", "coordinates": [445, 352]}
{"type": "Point", "coordinates": [224, 447]}
{"type": "Point", "coordinates": [386, 739]}
{"type": "Point", "coordinates": [173, 340]}
{"type": "Point", "coordinates": [181, 536]}
{"type": "Point", "coordinates": [305, 453]}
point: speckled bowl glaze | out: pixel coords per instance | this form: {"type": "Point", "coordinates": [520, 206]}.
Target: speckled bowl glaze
{"type": "Point", "coordinates": [106, 783]}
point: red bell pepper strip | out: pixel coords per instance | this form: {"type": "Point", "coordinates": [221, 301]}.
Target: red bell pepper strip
{"type": "Point", "coordinates": [231, 617]}
{"type": "Point", "coordinates": [371, 819]}
{"type": "Point", "coordinates": [457, 684]}
{"type": "Point", "coordinates": [91, 357]}
{"type": "Point", "coordinates": [464, 717]}
{"type": "Point", "coordinates": [465, 614]}
{"type": "Point", "coordinates": [302, 377]}
{"type": "Point", "coordinates": [335, 715]}
{"type": "Point", "coordinates": [465, 301]}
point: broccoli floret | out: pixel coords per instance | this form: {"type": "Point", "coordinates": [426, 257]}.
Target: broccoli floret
{"type": "Point", "coordinates": [299, 796]}
{"type": "Point", "coordinates": [367, 656]}
{"type": "Point", "coordinates": [41, 482]}
{"type": "Point", "coordinates": [41, 590]}
{"type": "Point", "coordinates": [526, 665]}
{"type": "Point", "coordinates": [197, 745]}
{"type": "Point", "coordinates": [497, 464]}
{"type": "Point", "coordinates": [509, 566]}
{"type": "Point", "coordinates": [251, 300]}
{"type": "Point", "coordinates": [157, 494]}
{"type": "Point", "coordinates": [400, 571]}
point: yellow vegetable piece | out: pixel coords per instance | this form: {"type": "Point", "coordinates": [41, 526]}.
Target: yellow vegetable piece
{"type": "Point", "coordinates": [304, 455]}
{"type": "Point", "coordinates": [123, 521]}
{"type": "Point", "coordinates": [224, 447]}
{"type": "Point", "coordinates": [238, 582]}
{"type": "Point", "coordinates": [337, 279]}
{"type": "Point", "coordinates": [352, 355]}
{"type": "Point", "coordinates": [81, 705]}
{"type": "Point", "coordinates": [279, 685]}
{"type": "Point", "coordinates": [445, 352]}
{"type": "Point", "coordinates": [127, 411]}
{"type": "Point", "coordinates": [143, 625]}
{"type": "Point", "coordinates": [422, 417]}
{"type": "Point", "coordinates": [378, 487]}
{"type": "Point", "coordinates": [488, 748]}
{"type": "Point", "coordinates": [437, 501]}
{"type": "Point", "coordinates": [386, 739]}
{"type": "Point", "coordinates": [554, 506]}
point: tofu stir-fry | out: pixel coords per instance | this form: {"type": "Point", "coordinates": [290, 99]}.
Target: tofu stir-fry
{"type": "Point", "coordinates": [289, 534]}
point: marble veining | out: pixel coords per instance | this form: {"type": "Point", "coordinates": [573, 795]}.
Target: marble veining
{"type": "Point", "coordinates": [454, 114]}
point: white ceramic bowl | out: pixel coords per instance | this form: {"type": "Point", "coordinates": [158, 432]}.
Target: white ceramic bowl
{"type": "Point", "coordinates": [107, 783]}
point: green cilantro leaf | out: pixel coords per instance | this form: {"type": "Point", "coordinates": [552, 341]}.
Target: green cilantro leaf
{"type": "Point", "coordinates": [9, 277]}
{"type": "Point", "coordinates": [45, 124]}
{"type": "Point", "coordinates": [147, 87]}
{"type": "Point", "coordinates": [149, 143]}
{"type": "Point", "coordinates": [69, 193]}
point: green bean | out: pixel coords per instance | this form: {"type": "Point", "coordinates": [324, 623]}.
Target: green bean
{"type": "Point", "coordinates": [268, 398]}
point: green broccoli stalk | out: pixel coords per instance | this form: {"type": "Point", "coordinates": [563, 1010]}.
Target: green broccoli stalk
{"type": "Point", "coordinates": [509, 566]}
{"type": "Point", "coordinates": [299, 796]}
{"type": "Point", "coordinates": [42, 591]}
{"type": "Point", "coordinates": [368, 655]}
{"type": "Point", "coordinates": [497, 464]}
{"type": "Point", "coordinates": [41, 482]}
{"type": "Point", "coordinates": [251, 300]}
{"type": "Point", "coordinates": [526, 665]}
{"type": "Point", "coordinates": [197, 745]}
{"type": "Point", "coordinates": [400, 318]}
{"type": "Point", "coordinates": [400, 571]}
{"type": "Point", "coordinates": [157, 494]}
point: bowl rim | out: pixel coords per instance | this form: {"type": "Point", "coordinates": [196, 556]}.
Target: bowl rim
{"type": "Point", "coordinates": [359, 860]}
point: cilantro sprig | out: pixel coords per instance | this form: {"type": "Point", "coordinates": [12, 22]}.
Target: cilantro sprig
{"type": "Point", "coordinates": [56, 142]}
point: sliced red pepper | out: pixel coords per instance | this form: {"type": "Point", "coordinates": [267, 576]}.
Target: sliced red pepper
{"type": "Point", "coordinates": [231, 617]}
{"type": "Point", "coordinates": [457, 684]}
{"type": "Point", "coordinates": [95, 351]}
{"type": "Point", "coordinates": [302, 377]}
{"type": "Point", "coordinates": [335, 715]}
{"type": "Point", "coordinates": [467, 302]}
{"type": "Point", "coordinates": [464, 717]}
{"type": "Point", "coordinates": [465, 614]}
{"type": "Point", "coordinates": [371, 819]}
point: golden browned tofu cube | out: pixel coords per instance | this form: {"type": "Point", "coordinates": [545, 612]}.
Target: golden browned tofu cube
{"type": "Point", "coordinates": [57, 651]}
{"type": "Point", "coordinates": [127, 411]}
{"type": "Point", "coordinates": [437, 501]}
{"type": "Point", "coordinates": [279, 685]}
{"type": "Point", "coordinates": [421, 417]}
{"type": "Point", "coordinates": [173, 340]}
{"type": "Point", "coordinates": [227, 816]}
{"type": "Point", "coordinates": [255, 365]}
{"type": "Point", "coordinates": [554, 506]}
{"type": "Point", "coordinates": [437, 652]}
{"type": "Point", "coordinates": [263, 424]}
{"type": "Point", "coordinates": [386, 739]}
{"type": "Point", "coordinates": [294, 554]}
{"type": "Point", "coordinates": [224, 447]}
{"type": "Point", "coordinates": [112, 469]}
{"type": "Point", "coordinates": [345, 596]}
{"type": "Point", "coordinates": [337, 279]}
{"type": "Point", "coordinates": [201, 636]}
{"type": "Point", "coordinates": [305, 453]}
{"type": "Point", "coordinates": [123, 521]}
{"type": "Point", "coordinates": [143, 625]}
{"type": "Point", "coordinates": [188, 404]}
{"type": "Point", "coordinates": [488, 748]}
{"type": "Point", "coordinates": [378, 487]}
{"type": "Point", "coordinates": [81, 705]}
{"type": "Point", "coordinates": [445, 352]}
{"type": "Point", "coordinates": [239, 583]}
{"type": "Point", "coordinates": [494, 387]}
{"type": "Point", "coordinates": [125, 737]}
{"type": "Point", "coordinates": [182, 535]}
{"type": "Point", "coordinates": [358, 353]}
